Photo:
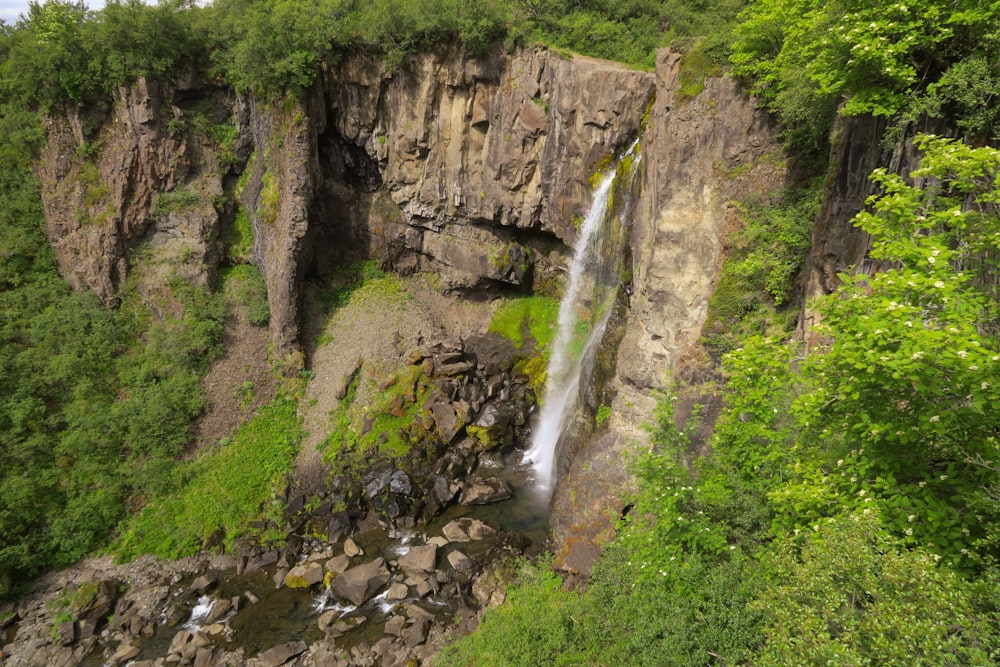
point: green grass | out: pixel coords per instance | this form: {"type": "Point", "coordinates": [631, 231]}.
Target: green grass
{"type": "Point", "coordinates": [238, 238]}
{"type": "Point", "coordinates": [167, 202]}
{"type": "Point", "coordinates": [245, 288]}
{"type": "Point", "coordinates": [226, 488]}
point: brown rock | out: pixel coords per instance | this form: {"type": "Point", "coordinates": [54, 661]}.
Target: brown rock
{"type": "Point", "coordinates": [279, 655]}
{"type": "Point", "coordinates": [479, 490]}
{"type": "Point", "coordinates": [360, 583]}
{"type": "Point", "coordinates": [304, 575]}
{"type": "Point", "coordinates": [419, 559]}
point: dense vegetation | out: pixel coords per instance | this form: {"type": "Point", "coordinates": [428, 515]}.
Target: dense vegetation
{"type": "Point", "coordinates": [850, 510]}
{"type": "Point", "coordinates": [898, 60]}
{"type": "Point", "coordinates": [95, 404]}
{"type": "Point", "coordinates": [61, 52]}
{"type": "Point", "coordinates": [848, 513]}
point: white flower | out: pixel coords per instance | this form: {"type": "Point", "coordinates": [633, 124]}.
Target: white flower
{"type": "Point", "coordinates": [973, 368]}
{"type": "Point", "coordinates": [931, 260]}
{"type": "Point", "coordinates": [939, 284]}
{"type": "Point", "coordinates": [962, 354]}
{"type": "Point", "coordinates": [909, 531]}
{"type": "Point", "coordinates": [985, 385]}
{"type": "Point", "coordinates": [935, 418]}
{"type": "Point", "coordinates": [861, 492]}
{"type": "Point", "coordinates": [911, 518]}
{"type": "Point", "coordinates": [943, 477]}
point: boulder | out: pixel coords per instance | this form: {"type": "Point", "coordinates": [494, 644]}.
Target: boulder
{"type": "Point", "coordinates": [446, 420]}
{"type": "Point", "coordinates": [328, 619]}
{"type": "Point", "coordinates": [415, 634]}
{"type": "Point", "coordinates": [493, 353]}
{"type": "Point", "coordinates": [397, 592]}
{"type": "Point", "coordinates": [360, 583]}
{"type": "Point", "coordinates": [479, 490]}
{"type": "Point", "coordinates": [454, 531]}
{"type": "Point", "coordinates": [399, 482]}
{"type": "Point", "coordinates": [95, 600]}
{"type": "Point", "coordinates": [351, 548]}
{"type": "Point", "coordinates": [202, 584]}
{"type": "Point", "coordinates": [478, 530]}
{"type": "Point", "coordinates": [66, 633]}
{"type": "Point", "coordinates": [304, 575]}
{"type": "Point", "coordinates": [123, 654]}
{"type": "Point", "coordinates": [279, 655]}
{"type": "Point", "coordinates": [460, 561]}
{"type": "Point", "coordinates": [338, 564]}
{"type": "Point", "coordinates": [419, 559]}
{"type": "Point", "coordinates": [394, 626]}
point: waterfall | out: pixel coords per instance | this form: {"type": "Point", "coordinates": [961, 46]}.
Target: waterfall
{"type": "Point", "coordinates": [584, 311]}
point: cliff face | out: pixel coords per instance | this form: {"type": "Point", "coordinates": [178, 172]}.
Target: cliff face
{"type": "Point", "coordinates": [699, 157]}
{"type": "Point", "coordinates": [134, 181]}
{"type": "Point", "coordinates": [475, 169]}
{"type": "Point", "coordinates": [469, 168]}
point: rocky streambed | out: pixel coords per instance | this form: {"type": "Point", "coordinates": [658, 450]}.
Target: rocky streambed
{"type": "Point", "coordinates": [378, 568]}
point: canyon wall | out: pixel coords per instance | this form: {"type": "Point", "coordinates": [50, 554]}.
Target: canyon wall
{"type": "Point", "coordinates": [699, 157]}
{"type": "Point", "coordinates": [474, 169]}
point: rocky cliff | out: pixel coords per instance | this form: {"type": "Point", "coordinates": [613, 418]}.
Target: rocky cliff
{"type": "Point", "coordinates": [132, 180]}
{"type": "Point", "coordinates": [700, 156]}
{"type": "Point", "coordinates": [475, 169]}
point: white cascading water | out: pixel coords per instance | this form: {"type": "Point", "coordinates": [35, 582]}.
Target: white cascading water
{"type": "Point", "coordinates": [569, 359]}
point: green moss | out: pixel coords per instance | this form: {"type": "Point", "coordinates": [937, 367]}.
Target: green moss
{"type": "Point", "coordinates": [534, 317]}
{"type": "Point", "coordinates": [269, 199]}
{"type": "Point", "coordinates": [482, 435]}
{"type": "Point", "coordinates": [391, 423]}
{"type": "Point", "coordinates": [238, 238]}
{"type": "Point", "coordinates": [84, 596]}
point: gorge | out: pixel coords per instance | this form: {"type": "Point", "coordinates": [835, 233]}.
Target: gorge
{"type": "Point", "coordinates": [609, 363]}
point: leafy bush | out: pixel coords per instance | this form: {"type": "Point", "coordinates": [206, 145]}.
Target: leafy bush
{"type": "Point", "coordinates": [756, 285]}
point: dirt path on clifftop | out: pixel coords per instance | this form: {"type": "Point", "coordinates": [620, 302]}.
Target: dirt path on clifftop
{"type": "Point", "coordinates": [383, 321]}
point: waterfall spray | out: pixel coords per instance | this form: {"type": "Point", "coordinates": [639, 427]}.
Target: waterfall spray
{"type": "Point", "coordinates": [584, 312]}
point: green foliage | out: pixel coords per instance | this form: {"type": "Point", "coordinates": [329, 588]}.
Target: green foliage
{"type": "Point", "coordinates": [95, 404]}
{"type": "Point", "coordinates": [244, 285]}
{"type": "Point", "coordinates": [536, 626]}
{"type": "Point", "coordinates": [755, 289]}
{"type": "Point", "coordinates": [63, 53]}
{"type": "Point", "coordinates": [885, 58]}
{"type": "Point", "coordinates": [225, 489]}
{"type": "Point", "coordinates": [848, 511]}
{"type": "Point", "coordinates": [238, 238]}
{"type": "Point", "coordinates": [389, 422]}
{"type": "Point", "coordinates": [602, 416]}
{"type": "Point", "coordinates": [628, 32]}
{"type": "Point", "coordinates": [174, 200]}
{"type": "Point", "coordinates": [849, 594]}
